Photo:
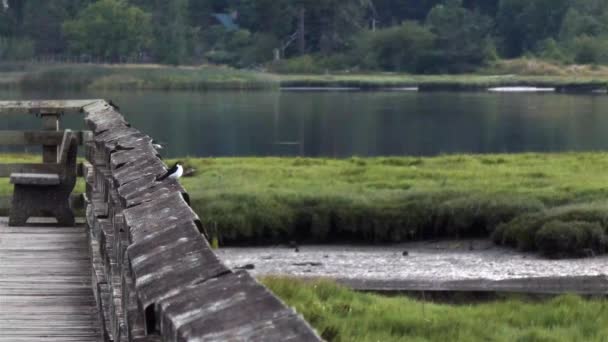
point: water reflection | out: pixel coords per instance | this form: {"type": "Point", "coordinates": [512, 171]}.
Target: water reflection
{"type": "Point", "coordinates": [343, 124]}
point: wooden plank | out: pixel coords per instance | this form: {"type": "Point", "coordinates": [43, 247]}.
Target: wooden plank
{"type": "Point", "coordinates": [16, 138]}
{"type": "Point", "coordinates": [35, 178]}
{"type": "Point", "coordinates": [7, 169]}
{"type": "Point", "coordinates": [45, 106]}
{"type": "Point", "coordinates": [50, 122]}
{"type": "Point", "coordinates": [45, 289]}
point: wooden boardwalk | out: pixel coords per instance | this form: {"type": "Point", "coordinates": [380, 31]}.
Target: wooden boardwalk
{"type": "Point", "coordinates": [45, 285]}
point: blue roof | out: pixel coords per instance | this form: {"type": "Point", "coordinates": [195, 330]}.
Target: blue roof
{"type": "Point", "coordinates": [226, 20]}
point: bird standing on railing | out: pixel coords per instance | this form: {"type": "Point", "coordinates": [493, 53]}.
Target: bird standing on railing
{"type": "Point", "coordinates": [157, 145]}
{"type": "Point", "coordinates": [175, 172]}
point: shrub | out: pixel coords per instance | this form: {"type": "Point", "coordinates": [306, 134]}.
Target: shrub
{"type": "Point", "coordinates": [575, 238]}
{"type": "Point", "coordinates": [481, 215]}
{"type": "Point", "coordinates": [590, 50]}
{"type": "Point", "coordinates": [397, 48]}
{"type": "Point", "coordinates": [299, 65]}
{"type": "Point", "coordinates": [522, 232]}
{"type": "Point", "coordinates": [16, 49]}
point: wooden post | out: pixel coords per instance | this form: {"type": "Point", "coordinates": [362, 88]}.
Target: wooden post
{"type": "Point", "coordinates": [50, 122]}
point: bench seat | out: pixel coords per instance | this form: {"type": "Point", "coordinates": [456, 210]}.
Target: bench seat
{"type": "Point", "coordinates": [46, 193]}
{"type": "Point", "coordinates": [40, 179]}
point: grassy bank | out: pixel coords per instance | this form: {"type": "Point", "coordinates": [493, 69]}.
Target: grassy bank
{"type": "Point", "coordinates": [340, 314]}
{"type": "Point", "coordinates": [129, 77]}
{"type": "Point", "coordinates": [445, 82]}
{"type": "Point", "coordinates": [553, 203]}
{"type": "Point", "coordinates": [526, 201]}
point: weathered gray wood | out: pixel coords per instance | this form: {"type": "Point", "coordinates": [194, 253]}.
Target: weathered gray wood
{"type": "Point", "coordinates": [76, 202]}
{"type": "Point", "coordinates": [64, 149]}
{"type": "Point", "coordinates": [147, 189]}
{"type": "Point", "coordinates": [166, 260]}
{"type": "Point", "coordinates": [9, 138]}
{"type": "Point", "coordinates": [46, 106]}
{"type": "Point", "coordinates": [170, 259]}
{"type": "Point", "coordinates": [37, 197]}
{"type": "Point", "coordinates": [50, 122]}
{"type": "Point", "coordinates": [35, 179]}
{"type": "Point", "coordinates": [233, 307]}
{"type": "Point", "coordinates": [45, 292]}
{"type": "Point", "coordinates": [104, 118]}
{"type": "Point", "coordinates": [7, 169]}
{"type": "Point", "coordinates": [149, 217]}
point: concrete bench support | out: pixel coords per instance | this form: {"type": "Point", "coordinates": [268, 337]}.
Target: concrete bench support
{"type": "Point", "coordinates": [47, 194]}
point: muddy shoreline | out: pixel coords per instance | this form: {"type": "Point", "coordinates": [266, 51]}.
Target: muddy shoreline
{"type": "Point", "coordinates": [469, 265]}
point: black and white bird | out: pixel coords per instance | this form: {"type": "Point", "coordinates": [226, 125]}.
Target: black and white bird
{"type": "Point", "coordinates": [175, 172]}
{"type": "Point", "coordinates": [157, 145]}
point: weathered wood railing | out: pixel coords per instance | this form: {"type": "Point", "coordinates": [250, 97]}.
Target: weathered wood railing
{"type": "Point", "coordinates": [154, 275]}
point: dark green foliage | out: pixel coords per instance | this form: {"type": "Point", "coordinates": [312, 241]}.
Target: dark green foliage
{"type": "Point", "coordinates": [399, 48]}
{"type": "Point", "coordinates": [110, 29]}
{"type": "Point", "coordinates": [387, 200]}
{"type": "Point", "coordinates": [171, 31]}
{"type": "Point", "coordinates": [521, 24]}
{"type": "Point", "coordinates": [15, 49]}
{"type": "Point", "coordinates": [590, 50]}
{"type": "Point", "coordinates": [573, 238]}
{"type": "Point", "coordinates": [463, 38]}
{"type": "Point", "coordinates": [422, 36]}
{"type": "Point", "coordinates": [578, 230]}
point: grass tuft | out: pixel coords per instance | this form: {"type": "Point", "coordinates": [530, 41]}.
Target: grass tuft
{"type": "Point", "coordinates": [340, 314]}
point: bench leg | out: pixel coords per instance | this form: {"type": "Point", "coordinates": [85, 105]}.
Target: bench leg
{"type": "Point", "coordinates": [17, 218]}
{"type": "Point", "coordinates": [64, 216]}
{"type": "Point", "coordinates": [34, 201]}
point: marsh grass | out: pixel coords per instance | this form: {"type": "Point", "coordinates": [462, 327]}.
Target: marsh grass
{"type": "Point", "coordinates": [131, 77]}
{"type": "Point", "coordinates": [340, 314]}
{"type": "Point", "coordinates": [553, 203]}
{"type": "Point", "coordinates": [384, 200]}
{"type": "Point", "coordinates": [210, 77]}
{"type": "Point", "coordinates": [467, 82]}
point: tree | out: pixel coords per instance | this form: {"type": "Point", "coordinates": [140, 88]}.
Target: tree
{"type": "Point", "coordinates": [331, 23]}
{"type": "Point", "coordinates": [398, 48]}
{"type": "Point", "coordinates": [463, 37]}
{"type": "Point", "coordinates": [110, 29]}
{"type": "Point", "coordinates": [171, 31]}
{"type": "Point", "coordinates": [522, 24]}
{"type": "Point", "coordinates": [42, 22]}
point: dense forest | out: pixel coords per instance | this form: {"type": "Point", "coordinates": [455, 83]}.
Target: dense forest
{"type": "Point", "coordinates": [422, 36]}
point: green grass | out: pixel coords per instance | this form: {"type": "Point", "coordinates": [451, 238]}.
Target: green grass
{"type": "Point", "coordinates": [379, 200]}
{"type": "Point", "coordinates": [340, 314]}
{"type": "Point", "coordinates": [553, 203]}
{"type": "Point", "coordinates": [443, 82]}
{"type": "Point", "coordinates": [130, 77]}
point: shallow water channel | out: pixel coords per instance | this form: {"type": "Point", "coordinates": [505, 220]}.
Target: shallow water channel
{"type": "Point", "coordinates": [425, 261]}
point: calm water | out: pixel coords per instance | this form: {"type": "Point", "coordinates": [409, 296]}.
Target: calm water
{"type": "Point", "coordinates": [342, 124]}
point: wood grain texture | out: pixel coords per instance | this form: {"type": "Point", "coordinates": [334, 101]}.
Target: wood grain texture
{"type": "Point", "coordinates": [45, 106]}
{"type": "Point", "coordinates": [45, 284]}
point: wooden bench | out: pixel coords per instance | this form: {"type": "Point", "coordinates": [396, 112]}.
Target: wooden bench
{"type": "Point", "coordinates": [46, 191]}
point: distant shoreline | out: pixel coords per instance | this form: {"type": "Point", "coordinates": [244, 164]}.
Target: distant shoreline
{"type": "Point", "coordinates": [203, 78]}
